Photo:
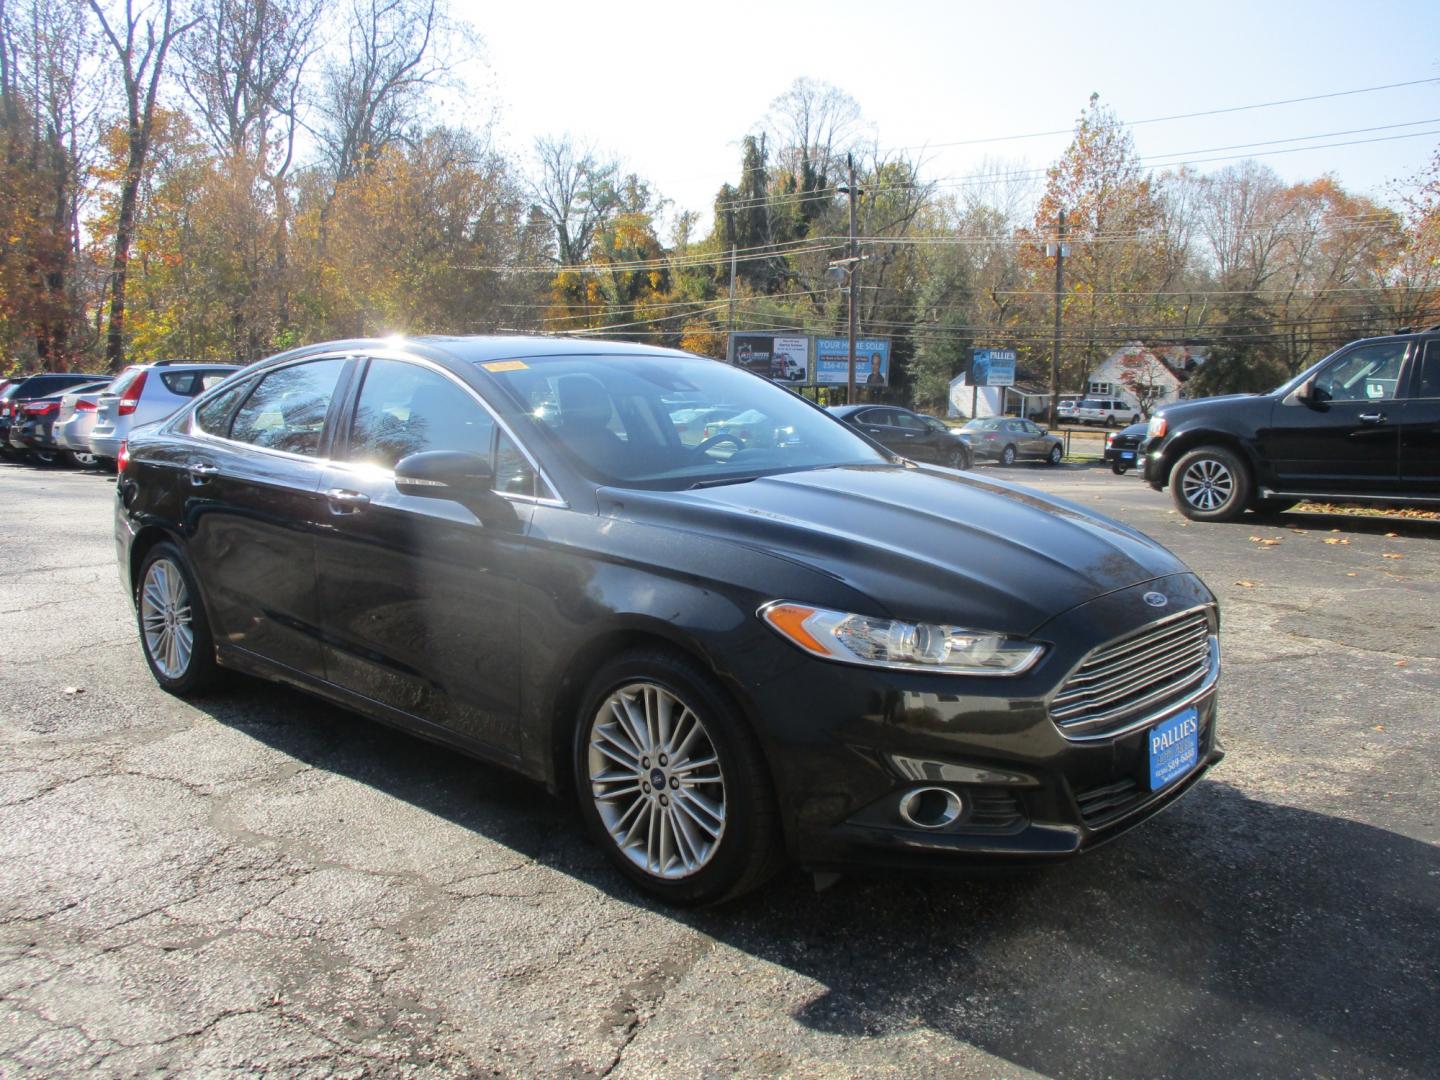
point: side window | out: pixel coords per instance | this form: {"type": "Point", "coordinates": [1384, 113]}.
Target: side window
{"type": "Point", "coordinates": [286, 410]}
{"type": "Point", "coordinates": [212, 378]}
{"type": "Point", "coordinates": [406, 409]}
{"type": "Point", "coordinates": [183, 383]}
{"type": "Point", "coordinates": [908, 422]}
{"type": "Point", "coordinates": [513, 474]}
{"type": "Point", "coordinates": [878, 417]}
{"type": "Point", "coordinates": [1366, 374]}
{"type": "Point", "coordinates": [213, 417]}
{"type": "Point", "coordinates": [1427, 375]}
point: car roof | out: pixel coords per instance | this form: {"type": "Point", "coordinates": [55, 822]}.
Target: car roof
{"type": "Point", "coordinates": [192, 365]}
{"type": "Point", "coordinates": [462, 351]}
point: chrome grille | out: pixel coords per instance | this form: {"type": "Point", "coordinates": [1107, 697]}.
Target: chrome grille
{"type": "Point", "coordinates": [1137, 674]}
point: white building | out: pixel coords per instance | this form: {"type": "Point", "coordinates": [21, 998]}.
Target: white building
{"type": "Point", "coordinates": [980, 401]}
{"type": "Point", "coordinates": [1145, 377]}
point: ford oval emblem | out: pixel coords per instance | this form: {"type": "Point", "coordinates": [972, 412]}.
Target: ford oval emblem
{"type": "Point", "coordinates": [1156, 599]}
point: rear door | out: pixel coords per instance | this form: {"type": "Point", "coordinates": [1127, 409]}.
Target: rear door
{"type": "Point", "coordinates": [252, 484]}
{"type": "Point", "coordinates": [419, 595]}
{"type": "Point", "coordinates": [1346, 439]}
{"type": "Point", "coordinates": [1420, 425]}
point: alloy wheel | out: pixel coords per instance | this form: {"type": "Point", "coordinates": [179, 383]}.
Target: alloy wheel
{"type": "Point", "coordinates": [656, 781]}
{"type": "Point", "coordinates": [1207, 484]}
{"type": "Point", "coordinates": [166, 619]}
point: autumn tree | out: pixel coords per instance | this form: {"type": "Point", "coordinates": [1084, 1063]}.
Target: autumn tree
{"type": "Point", "coordinates": [140, 41]}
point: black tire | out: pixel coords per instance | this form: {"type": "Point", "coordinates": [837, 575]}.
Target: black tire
{"type": "Point", "coordinates": [749, 848]}
{"type": "Point", "coordinates": [1007, 456]}
{"type": "Point", "coordinates": [1267, 507]}
{"type": "Point", "coordinates": [48, 459]}
{"type": "Point", "coordinates": [959, 458]}
{"type": "Point", "coordinates": [1210, 483]}
{"type": "Point", "coordinates": [1055, 456]}
{"type": "Point", "coordinates": [1119, 468]}
{"type": "Point", "coordinates": [200, 671]}
{"type": "Point", "coordinates": [1134, 418]}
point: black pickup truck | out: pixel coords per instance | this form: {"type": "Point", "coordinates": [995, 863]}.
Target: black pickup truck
{"type": "Point", "coordinates": [1362, 425]}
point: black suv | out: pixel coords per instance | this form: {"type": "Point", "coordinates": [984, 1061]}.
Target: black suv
{"type": "Point", "coordinates": [1362, 425]}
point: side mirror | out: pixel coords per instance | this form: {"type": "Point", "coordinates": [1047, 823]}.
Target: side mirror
{"type": "Point", "coordinates": [1305, 393]}
{"type": "Point", "coordinates": [445, 474]}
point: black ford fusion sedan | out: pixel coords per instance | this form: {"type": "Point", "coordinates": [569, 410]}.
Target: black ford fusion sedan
{"type": "Point", "coordinates": [732, 649]}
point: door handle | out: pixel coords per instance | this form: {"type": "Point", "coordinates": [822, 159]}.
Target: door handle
{"type": "Point", "coordinates": [345, 501]}
{"type": "Point", "coordinates": [1371, 418]}
{"type": "Point", "coordinates": [201, 472]}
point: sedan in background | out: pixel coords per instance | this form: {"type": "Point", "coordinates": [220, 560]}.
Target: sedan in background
{"type": "Point", "coordinates": [1007, 440]}
{"type": "Point", "coordinates": [26, 387]}
{"type": "Point", "coordinates": [795, 646]}
{"type": "Point", "coordinates": [76, 421]}
{"type": "Point", "coordinates": [1122, 448]}
{"type": "Point", "coordinates": [909, 434]}
{"type": "Point", "coordinates": [144, 393]}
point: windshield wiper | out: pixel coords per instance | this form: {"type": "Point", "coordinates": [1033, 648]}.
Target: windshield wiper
{"type": "Point", "coordinates": [721, 481]}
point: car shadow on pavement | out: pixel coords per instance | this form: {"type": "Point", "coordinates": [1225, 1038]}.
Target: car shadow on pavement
{"type": "Point", "coordinates": [1229, 936]}
{"type": "Point", "coordinates": [1346, 523]}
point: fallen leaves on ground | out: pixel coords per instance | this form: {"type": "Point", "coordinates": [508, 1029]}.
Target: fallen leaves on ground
{"type": "Point", "coordinates": [1246, 584]}
{"type": "Point", "coordinates": [1336, 540]}
{"type": "Point", "coordinates": [1391, 555]}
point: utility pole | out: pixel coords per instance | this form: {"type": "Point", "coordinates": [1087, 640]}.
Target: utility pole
{"type": "Point", "coordinates": [1059, 291]}
{"type": "Point", "coordinates": [854, 255]}
{"type": "Point", "coordinates": [732, 289]}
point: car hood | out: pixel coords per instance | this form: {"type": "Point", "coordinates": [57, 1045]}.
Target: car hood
{"type": "Point", "coordinates": [923, 544]}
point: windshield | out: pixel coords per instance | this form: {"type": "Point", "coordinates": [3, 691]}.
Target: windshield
{"type": "Point", "coordinates": [672, 422]}
{"type": "Point", "coordinates": [982, 425]}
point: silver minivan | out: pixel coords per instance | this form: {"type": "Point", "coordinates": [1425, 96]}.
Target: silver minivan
{"type": "Point", "coordinates": [143, 393]}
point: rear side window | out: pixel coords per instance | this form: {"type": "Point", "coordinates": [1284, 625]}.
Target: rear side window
{"type": "Point", "coordinates": [406, 409]}
{"type": "Point", "coordinates": [1427, 378]}
{"type": "Point", "coordinates": [213, 417]}
{"type": "Point", "coordinates": [286, 410]}
{"type": "Point", "coordinates": [191, 383]}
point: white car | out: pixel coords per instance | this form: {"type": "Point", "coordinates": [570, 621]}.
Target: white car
{"type": "Point", "coordinates": [143, 393]}
{"type": "Point", "coordinates": [1110, 412]}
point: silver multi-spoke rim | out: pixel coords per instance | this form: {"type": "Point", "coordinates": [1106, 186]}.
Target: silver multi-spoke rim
{"type": "Point", "coordinates": [165, 618]}
{"type": "Point", "coordinates": [1207, 484]}
{"type": "Point", "coordinates": [656, 780]}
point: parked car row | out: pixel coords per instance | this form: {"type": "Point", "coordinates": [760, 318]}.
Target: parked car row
{"type": "Point", "coordinates": [70, 417]}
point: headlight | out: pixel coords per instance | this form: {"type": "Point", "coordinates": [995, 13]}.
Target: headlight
{"type": "Point", "coordinates": [889, 643]}
{"type": "Point", "coordinates": [1156, 428]}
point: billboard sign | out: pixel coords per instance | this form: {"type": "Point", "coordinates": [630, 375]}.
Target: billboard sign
{"type": "Point", "coordinates": [992, 367]}
{"type": "Point", "coordinates": [782, 357]}
{"type": "Point", "coordinates": [872, 361]}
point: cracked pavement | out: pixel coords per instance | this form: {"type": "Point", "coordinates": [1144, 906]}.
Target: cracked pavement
{"type": "Point", "coordinates": [255, 882]}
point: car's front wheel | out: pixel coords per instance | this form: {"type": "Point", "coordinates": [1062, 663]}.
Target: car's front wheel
{"type": "Point", "coordinates": [671, 783]}
{"type": "Point", "coordinates": [174, 633]}
{"type": "Point", "coordinates": [958, 458]}
{"type": "Point", "coordinates": [1056, 453]}
{"type": "Point", "coordinates": [1210, 484]}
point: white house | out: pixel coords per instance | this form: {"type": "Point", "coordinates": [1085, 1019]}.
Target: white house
{"type": "Point", "coordinates": [981, 401]}
{"type": "Point", "coordinates": [1145, 376]}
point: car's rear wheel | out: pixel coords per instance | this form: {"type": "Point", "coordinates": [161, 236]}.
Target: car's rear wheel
{"type": "Point", "coordinates": [671, 783]}
{"type": "Point", "coordinates": [1056, 453]}
{"type": "Point", "coordinates": [174, 633]}
{"type": "Point", "coordinates": [1210, 484]}
{"type": "Point", "coordinates": [48, 458]}
{"type": "Point", "coordinates": [1007, 456]}
{"type": "Point", "coordinates": [1119, 468]}
{"type": "Point", "coordinates": [84, 460]}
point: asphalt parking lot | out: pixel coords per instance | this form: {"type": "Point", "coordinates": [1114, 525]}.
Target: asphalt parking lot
{"type": "Point", "coordinates": [255, 882]}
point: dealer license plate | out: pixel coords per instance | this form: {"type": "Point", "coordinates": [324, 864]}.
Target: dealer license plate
{"type": "Point", "coordinates": [1172, 748]}
{"type": "Point", "coordinates": [1127, 455]}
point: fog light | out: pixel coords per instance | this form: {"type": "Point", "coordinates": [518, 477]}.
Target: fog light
{"type": "Point", "coordinates": [931, 807]}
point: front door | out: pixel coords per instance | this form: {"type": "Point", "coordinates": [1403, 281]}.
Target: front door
{"type": "Point", "coordinates": [252, 503]}
{"type": "Point", "coordinates": [1420, 426]}
{"type": "Point", "coordinates": [1346, 437]}
{"type": "Point", "coordinates": [419, 595]}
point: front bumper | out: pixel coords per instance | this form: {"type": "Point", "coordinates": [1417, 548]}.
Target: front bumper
{"type": "Point", "coordinates": [865, 738]}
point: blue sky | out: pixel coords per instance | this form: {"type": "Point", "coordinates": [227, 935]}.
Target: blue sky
{"type": "Point", "coordinates": [671, 88]}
